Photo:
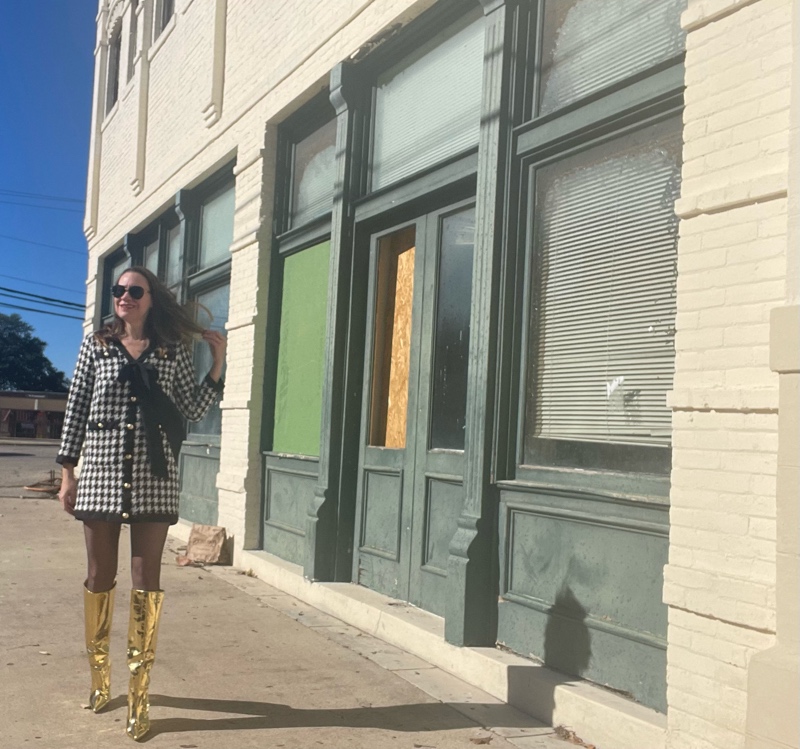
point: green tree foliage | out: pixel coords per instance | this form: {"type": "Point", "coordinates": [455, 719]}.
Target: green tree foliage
{"type": "Point", "coordinates": [23, 365]}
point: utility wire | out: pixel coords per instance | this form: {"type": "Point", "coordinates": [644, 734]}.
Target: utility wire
{"type": "Point", "coordinates": [40, 311]}
{"type": "Point", "coordinates": [39, 283]}
{"type": "Point", "coordinates": [41, 244]}
{"type": "Point", "coordinates": [17, 194]}
{"type": "Point", "coordinates": [27, 297]}
{"type": "Point", "coordinates": [46, 207]}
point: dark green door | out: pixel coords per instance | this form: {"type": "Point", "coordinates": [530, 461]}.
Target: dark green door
{"type": "Point", "coordinates": [410, 483]}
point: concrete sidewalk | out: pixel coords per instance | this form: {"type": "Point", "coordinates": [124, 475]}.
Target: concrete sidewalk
{"type": "Point", "coordinates": [239, 663]}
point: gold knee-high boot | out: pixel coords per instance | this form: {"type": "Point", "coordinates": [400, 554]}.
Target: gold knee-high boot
{"type": "Point", "coordinates": [98, 609]}
{"type": "Point", "coordinates": [142, 638]}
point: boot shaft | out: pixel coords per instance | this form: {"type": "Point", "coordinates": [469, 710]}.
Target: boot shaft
{"type": "Point", "coordinates": [98, 610]}
{"type": "Point", "coordinates": [145, 614]}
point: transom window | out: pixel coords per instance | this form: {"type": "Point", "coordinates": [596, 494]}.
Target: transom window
{"type": "Point", "coordinates": [428, 106]}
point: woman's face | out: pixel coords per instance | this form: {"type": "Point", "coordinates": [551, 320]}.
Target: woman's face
{"type": "Point", "coordinates": [126, 307]}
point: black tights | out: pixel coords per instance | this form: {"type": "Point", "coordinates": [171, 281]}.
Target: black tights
{"type": "Point", "coordinates": [102, 550]}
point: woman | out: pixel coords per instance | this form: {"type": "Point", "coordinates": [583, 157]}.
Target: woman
{"type": "Point", "coordinates": [133, 380]}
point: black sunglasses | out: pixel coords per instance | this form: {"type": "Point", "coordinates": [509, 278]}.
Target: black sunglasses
{"type": "Point", "coordinates": [118, 291]}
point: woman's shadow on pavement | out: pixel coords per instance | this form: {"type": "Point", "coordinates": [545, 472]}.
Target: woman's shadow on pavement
{"type": "Point", "coordinates": [435, 716]}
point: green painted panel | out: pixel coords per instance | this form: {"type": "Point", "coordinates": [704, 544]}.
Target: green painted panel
{"type": "Point", "coordinates": [581, 588]}
{"type": "Point", "coordinates": [443, 502]}
{"type": "Point", "coordinates": [288, 493]}
{"type": "Point", "coordinates": [298, 390]}
{"type": "Point", "coordinates": [383, 500]}
{"type": "Point", "coordinates": [289, 485]}
{"type": "Point", "coordinates": [198, 475]}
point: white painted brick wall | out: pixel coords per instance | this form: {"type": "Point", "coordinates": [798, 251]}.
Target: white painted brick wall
{"type": "Point", "coordinates": [720, 579]}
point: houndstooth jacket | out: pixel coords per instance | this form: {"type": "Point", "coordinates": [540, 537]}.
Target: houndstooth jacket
{"type": "Point", "coordinates": [115, 419]}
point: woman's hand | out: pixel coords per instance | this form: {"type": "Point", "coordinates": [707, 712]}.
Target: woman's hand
{"type": "Point", "coordinates": [218, 345]}
{"type": "Point", "coordinates": [68, 492]}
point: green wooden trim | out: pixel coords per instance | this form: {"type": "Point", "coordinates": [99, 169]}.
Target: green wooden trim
{"type": "Point", "coordinates": [635, 488]}
{"type": "Point", "coordinates": [471, 608]}
{"type": "Point", "coordinates": [307, 236]}
{"type": "Point", "coordinates": [331, 515]}
{"type": "Point", "coordinates": [450, 176]}
{"type": "Point", "coordinates": [655, 93]}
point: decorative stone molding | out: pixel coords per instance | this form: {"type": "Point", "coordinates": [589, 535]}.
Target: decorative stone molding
{"type": "Point", "coordinates": [96, 137]}
{"type": "Point", "coordinates": [702, 13]}
{"type": "Point", "coordinates": [730, 400]}
{"type": "Point", "coordinates": [213, 110]}
{"type": "Point", "coordinates": [115, 14]}
{"type": "Point", "coordinates": [145, 14]}
{"type": "Point", "coordinates": [758, 190]}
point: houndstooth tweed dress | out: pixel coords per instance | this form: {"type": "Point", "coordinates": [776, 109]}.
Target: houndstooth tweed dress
{"type": "Point", "coordinates": [123, 414]}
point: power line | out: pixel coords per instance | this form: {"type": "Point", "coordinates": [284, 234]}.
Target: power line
{"type": "Point", "coordinates": [41, 244]}
{"type": "Point", "coordinates": [40, 311]}
{"type": "Point", "coordinates": [46, 207]}
{"type": "Point", "coordinates": [38, 299]}
{"type": "Point", "coordinates": [17, 194]}
{"type": "Point", "coordinates": [39, 283]}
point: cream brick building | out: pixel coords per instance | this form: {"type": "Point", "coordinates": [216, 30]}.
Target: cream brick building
{"type": "Point", "coordinates": [294, 165]}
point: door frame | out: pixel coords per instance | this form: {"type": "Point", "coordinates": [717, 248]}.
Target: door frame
{"type": "Point", "coordinates": [411, 537]}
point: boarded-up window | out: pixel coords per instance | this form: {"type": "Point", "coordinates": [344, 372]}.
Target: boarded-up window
{"type": "Point", "coordinates": [301, 352]}
{"type": "Point", "coordinates": [392, 339]}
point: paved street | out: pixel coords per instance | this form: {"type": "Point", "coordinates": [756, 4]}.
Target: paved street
{"type": "Point", "coordinates": [239, 663]}
{"type": "Point", "coordinates": [24, 462]}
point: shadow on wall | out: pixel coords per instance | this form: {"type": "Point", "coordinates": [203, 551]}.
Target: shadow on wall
{"type": "Point", "coordinates": [567, 652]}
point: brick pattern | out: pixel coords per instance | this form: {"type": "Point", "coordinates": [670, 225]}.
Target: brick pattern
{"type": "Point", "coordinates": [732, 251]}
{"type": "Point", "coordinates": [707, 675]}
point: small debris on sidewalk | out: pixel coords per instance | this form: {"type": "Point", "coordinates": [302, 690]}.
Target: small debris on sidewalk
{"type": "Point", "coordinates": [51, 485]}
{"type": "Point", "coordinates": [567, 735]}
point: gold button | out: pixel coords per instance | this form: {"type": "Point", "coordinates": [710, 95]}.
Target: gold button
{"type": "Point", "coordinates": [133, 399]}
{"type": "Point", "coordinates": [129, 426]}
{"type": "Point", "coordinates": [126, 485]}
{"type": "Point", "coordinates": [125, 516]}
{"type": "Point", "coordinates": [128, 456]}
{"type": "Point", "coordinates": [105, 353]}
{"type": "Point", "coordinates": [100, 424]}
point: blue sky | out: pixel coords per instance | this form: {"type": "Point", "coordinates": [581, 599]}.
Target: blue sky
{"type": "Point", "coordinates": [46, 71]}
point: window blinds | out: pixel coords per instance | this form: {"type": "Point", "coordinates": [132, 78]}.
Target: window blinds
{"type": "Point", "coordinates": [590, 44]}
{"type": "Point", "coordinates": [314, 165]}
{"type": "Point", "coordinates": [216, 228]}
{"type": "Point", "coordinates": [601, 354]}
{"type": "Point", "coordinates": [428, 107]}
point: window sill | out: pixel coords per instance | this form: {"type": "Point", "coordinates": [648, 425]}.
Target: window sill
{"type": "Point", "coordinates": [109, 116]}
{"type": "Point", "coordinates": [162, 38]}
